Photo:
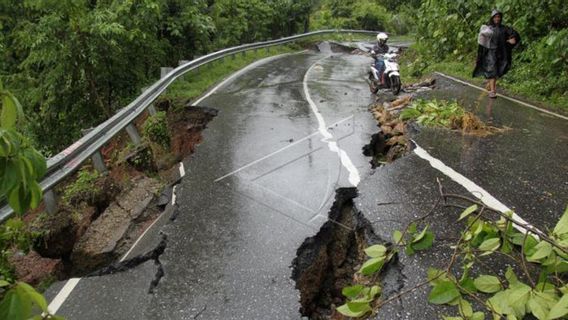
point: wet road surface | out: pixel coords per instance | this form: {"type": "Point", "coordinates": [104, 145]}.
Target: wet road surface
{"type": "Point", "coordinates": [264, 179]}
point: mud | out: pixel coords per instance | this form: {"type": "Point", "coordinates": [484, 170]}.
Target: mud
{"type": "Point", "coordinates": [328, 261]}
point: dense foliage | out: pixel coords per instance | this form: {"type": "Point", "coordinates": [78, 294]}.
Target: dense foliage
{"type": "Point", "coordinates": [447, 31]}
{"type": "Point", "coordinates": [75, 62]}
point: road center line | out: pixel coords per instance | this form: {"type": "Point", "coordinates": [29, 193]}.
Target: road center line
{"type": "Point", "coordinates": [70, 285]}
{"type": "Point", "coordinates": [354, 177]}
{"type": "Point", "coordinates": [470, 186]}
{"type": "Point", "coordinates": [503, 96]}
{"type": "Point", "coordinates": [63, 295]}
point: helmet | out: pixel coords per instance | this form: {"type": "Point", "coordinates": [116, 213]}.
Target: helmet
{"type": "Point", "coordinates": [382, 37]}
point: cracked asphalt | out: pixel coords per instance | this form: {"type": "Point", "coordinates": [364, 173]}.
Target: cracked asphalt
{"type": "Point", "coordinates": [263, 180]}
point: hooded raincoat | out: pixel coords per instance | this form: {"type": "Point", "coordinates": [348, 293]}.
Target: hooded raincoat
{"type": "Point", "coordinates": [494, 53]}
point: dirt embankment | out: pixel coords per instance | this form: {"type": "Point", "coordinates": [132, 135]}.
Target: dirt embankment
{"type": "Point", "coordinates": [100, 215]}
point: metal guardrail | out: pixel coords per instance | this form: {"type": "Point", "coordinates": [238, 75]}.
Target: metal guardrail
{"type": "Point", "coordinates": [69, 160]}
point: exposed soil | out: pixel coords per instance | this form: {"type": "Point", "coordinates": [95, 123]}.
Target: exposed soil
{"type": "Point", "coordinates": [328, 261]}
{"type": "Point", "coordinates": [391, 142]}
{"type": "Point", "coordinates": [53, 256]}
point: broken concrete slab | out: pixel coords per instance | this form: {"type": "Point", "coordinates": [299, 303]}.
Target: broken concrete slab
{"type": "Point", "coordinates": [98, 246]}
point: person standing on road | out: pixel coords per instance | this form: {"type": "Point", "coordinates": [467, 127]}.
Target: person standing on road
{"type": "Point", "coordinates": [380, 48]}
{"type": "Point", "coordinates": [494, 55]}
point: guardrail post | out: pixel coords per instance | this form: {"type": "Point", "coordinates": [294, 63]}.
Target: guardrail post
{"type": "Point", "coordinates": [182, 62]}
{"type": "Point", "coordinates": [267, 50]}
{"type": "Point", "coordinates": [133, 134]}
{"type": "Point", "coordinates": [244, 53]}
{"type": "Point", "coordinates": [50, 201]}
{"type": "Point", "coordinates": [233, 56]}
{"type": "Point", "coordinates": [99, 162]}
{"type": "Point", "coordinates": [151, 109]}
{"type": "Point", "coordinates": [97, 157]}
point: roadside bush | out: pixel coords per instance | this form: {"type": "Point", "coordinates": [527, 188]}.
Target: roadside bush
{"type": "Point", "coordinates": [83, 188]}
{"type": "Point", "coordinates": [156, 130]}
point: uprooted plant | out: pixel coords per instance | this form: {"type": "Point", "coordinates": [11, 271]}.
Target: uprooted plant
{"type": "Point", "coordinates": [446, 114]}
{"type": "Point", "coordinates": [531, 280]}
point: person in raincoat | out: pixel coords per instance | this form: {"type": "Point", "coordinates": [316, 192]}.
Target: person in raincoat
{"type": "Point", "coordinates": [494, 56]}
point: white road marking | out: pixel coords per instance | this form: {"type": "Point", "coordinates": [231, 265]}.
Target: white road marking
{"type": "Point", "coordinates": [278, 151]}
{"type": "Point", "coordinates": [174, 196]}
{"type": "Point", "coordinates": [354, 177]}
{"type": "Point", "coordinates": [470, 186]}
{"type": "Point", "coordinates": [505, 97]}
{"type": "Point", "coordinates": [62, 295]}
{"type": "Point", "coordinates": [181, 170]}
{"type": "Point", "coordinates": [240, 72]}
{"type": "Point", "coordinates": [72, 283]}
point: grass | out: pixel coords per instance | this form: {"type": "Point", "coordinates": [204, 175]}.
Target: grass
{"type": "Point", "coordinates": [414, 70]}
{"type": "Point", "coordinates": [196, 82]}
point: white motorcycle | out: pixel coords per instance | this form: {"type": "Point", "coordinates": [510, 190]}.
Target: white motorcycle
{"type": "Point", "coordinates": [391, 76]}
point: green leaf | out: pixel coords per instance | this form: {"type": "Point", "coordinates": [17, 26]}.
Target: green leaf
{"type": "Point", "coordinates": [352, 291]}
{"type": "Point", "coordinates": [517, 298]}
{"type": "Point", "coordinates": [425, 243]}
{"type": "Point", "coordinates": [560, 309]}
{"type": "Point", "coordinates": [36, 194]}
{"type": "Point", "coordinates": [490, 244]}
{"type": "Point", "coordinates": [4, 283]}
{"type": "Point", "coordinates": [537, 309]}
{"type": "Point", "coordinates": [9, 114]}
{"type": "Point", "coordinates": [436, 276]}
{"type": "Point", "coordinates": [376, 251]}
{"type": "Point", "coordinates": [562, 225]}
{"type": "Point", "coordinates": [375, 290]}
{"type": "Point", "coordinates": [478, 316]}
{"type": "Point", "coordinates": [420, 236]}
{"type": "Point", "coordinates": [16, 305]}
{"type": "Point", "coordinates": [16, 199]}
{"type": "Point", "coordinates": [487, 284]}
{"type": "Point", "coordinates": [371, 266]}
{"type": "Point", "coordinates": [397, 237]}
{"type": "Point", "coordinates": [35, 296]}
{"type": "Point", "coordinates": [465, 308]}
{"type": "Point", "coordinates": [511, 276]}
{"type": "Point", "coordinates": [542, 250]}
{"type": "Point", "coordinates": [443, 292]}
{"type": "Point", "coordinates": [468, 211]}
{"type": "Point", "coordinates": [354, 309]}
{"type": "Point", "coordinates": [468, 284]}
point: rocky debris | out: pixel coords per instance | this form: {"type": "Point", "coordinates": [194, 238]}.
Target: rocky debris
{"type": "Point", "coordinates": [98, 245]}
{"type": "Point", "coordinates": [424, 85]}
{"type": "Point", "coordinates": [391, 142]}
{"type": "Point", "coordinates": [33, 268]}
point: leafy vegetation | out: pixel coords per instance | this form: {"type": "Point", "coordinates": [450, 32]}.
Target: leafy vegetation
{"type": "Point", "coordinates": [447, 33]}
{"type": "Point", "coordinates": [72, 64]}
{"type": "Point", "coordinates": [155, 129]}
{"type": "Point", "coordinates": [20, 168]}
{"type": "Point", "coordinates": [530, 280]}
{"type": "Point", "coordinates": [83, 187]}
{"type": "Point", "coordinates": [446, 114]}
{"type": "Point", "coordinates": [361, 297]}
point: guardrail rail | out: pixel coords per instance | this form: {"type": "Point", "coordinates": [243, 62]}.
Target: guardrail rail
{"type": "Point", "coordinates": [69, 160]}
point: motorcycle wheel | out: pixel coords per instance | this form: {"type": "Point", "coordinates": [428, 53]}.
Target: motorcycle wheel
{"type": "Point", "coordinates": [395, 85]}
{"type": "Point", "coordinates": [373, 87]}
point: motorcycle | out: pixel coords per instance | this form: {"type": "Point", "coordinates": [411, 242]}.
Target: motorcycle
{"type": "Point", "coordinates": [391, 75]}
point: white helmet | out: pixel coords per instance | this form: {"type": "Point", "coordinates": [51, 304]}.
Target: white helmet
{"type": "Point", "coordinates": [382, 37]}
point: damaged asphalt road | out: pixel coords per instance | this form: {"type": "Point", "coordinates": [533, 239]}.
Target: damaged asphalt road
{"type": "Point", "coordinates": [265, 178]}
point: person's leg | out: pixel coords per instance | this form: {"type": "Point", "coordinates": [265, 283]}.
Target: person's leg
{"type": "Point", "coordinates": [492, 87]}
